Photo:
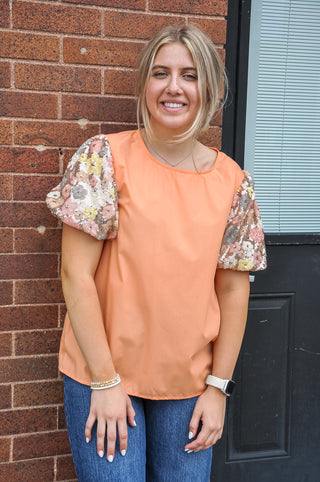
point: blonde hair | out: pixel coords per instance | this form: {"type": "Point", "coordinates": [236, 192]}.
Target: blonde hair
{"type": "Point", "coordinates": [210, 71]}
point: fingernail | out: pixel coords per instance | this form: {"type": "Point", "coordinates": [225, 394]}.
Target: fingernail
{"type": "Point", "coordinates": [190, 435]}
{"type": "Point", "coordinates": [101, 453]}
{"type": "Point", "coordinates": [189, 451]}
{"type": "Point", "coordinates": [87, 440]}
{"type": "Point", "coordinates": [134, 423]}
{"type": "Point", "coordinates": [123, 452]}
{"type": "Point", "coordinates": [186, 450]}
{"type": "Point", "coordinates": [110, 458]}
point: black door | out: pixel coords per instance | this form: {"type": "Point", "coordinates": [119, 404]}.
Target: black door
{"type": "Point", "coordinates": [272, 431]}
{"type": "Point", "coordinates": [273, 421]}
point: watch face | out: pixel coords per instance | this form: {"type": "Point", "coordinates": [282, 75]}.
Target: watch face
{"type": "Point", "coordinates": [230, 386]}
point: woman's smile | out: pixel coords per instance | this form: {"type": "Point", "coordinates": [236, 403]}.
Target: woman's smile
{"type": "Point", "coordinates": [172, 105]}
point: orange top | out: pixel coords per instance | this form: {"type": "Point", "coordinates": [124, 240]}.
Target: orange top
{"type": "Point", "coordinates": [155, 280]}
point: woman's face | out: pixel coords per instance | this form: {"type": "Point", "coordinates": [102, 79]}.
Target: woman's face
{"type": "Point", "coordinates": [172, 94]}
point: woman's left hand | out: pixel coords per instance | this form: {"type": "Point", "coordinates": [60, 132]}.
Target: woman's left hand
{"type": "Point", "coordinates": [210, 409]}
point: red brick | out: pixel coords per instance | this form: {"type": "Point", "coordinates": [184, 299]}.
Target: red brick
{"type": "Point", "coordinates": [199, 7]}
{"type": "Point", "coordinates": [17, 159]}
{"type": "Point", "coordinates": [39, 291]}
{"type": "Point", "coordinates": [29, 46]}
{"type": "Point", "coordinates": [132, 4]}
{"type": "Point", "coordinates": [33, 188]}
{"type": "Point", "coordinates": [5, 80]}
{"type": "Point", "coordinates": [53, 134]}
{"type": "Point", "coordinates": [30, 240]}
{"type": "Point", "coordinates": [37, 342]}
{"type": "Point", "coordinates": [28, 420]}
{"type": "Point", "coordinates": [57, 78]}
{"type": "Point", "coordinates": [4, 14]}
{"type": "Point", "coordinates": [100, 52]}
{"type": "Point", "coordinates": [112, 109]}
{"type": "Point", "coordinates": [22, 104]}
{"type": "Point", "coordinates": [5, 455]}
{"type": "Point", "coordinates": [31, 368]}
{"type": "Point", "coordinates": [136, 25]}
{"type": "Point", "coordinates": [29, 317]}
{"type": "Point", "coordinates": [41, 445]}
{"type": "Point", "coordinates": [5, 130]}
{"type": "Point", "coordinates": [5, 187]}
{"type": "Point", "coordinates": [22, 266]}
{"type": "Point", "coordinates": [27, 214]}
{"type": "Point", "coordinates": [65, 468]}
{"type": "Point", "coordinates": [5, 399]}
{"type": "Point", "coordinates": [119, 82]}
{"type": "Point", "coordinates": [61, 418]}
{"type": "Point", "coordinates": [212, 137]}
{"type": "Point", "coordinates": [5, 345]}
{"type": "Point", "coordinates": [6, 293]}
{"type": "Point", "coordinates": [114, 128]}
{"type": "Point", "coordinates": [39, 393]}
{"type": "Point", "coordinates": [216, 29]}
{"type": "Point", "coordinates": [67, 155]}
{"type": "Point", "coordinates": [29, 470]}
{"type": "Point", "coordinates": [63, 312]}
{"type": "Point", "coordinates": [55, 18]}
{"type": "Point", "coordinates": [6, 240]}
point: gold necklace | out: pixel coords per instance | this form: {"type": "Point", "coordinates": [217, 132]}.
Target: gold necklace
{"type": "Point", "coordinates": [177, 163]}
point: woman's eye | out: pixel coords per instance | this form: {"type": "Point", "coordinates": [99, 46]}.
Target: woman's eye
{"type": "Point", "coordinates": [159, 74]}
{"type": "Point", "coordinates": [190, 76]}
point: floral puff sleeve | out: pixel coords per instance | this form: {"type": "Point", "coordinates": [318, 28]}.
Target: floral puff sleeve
{"type": "Point", "coordinates": [86, 198]}
{"type": "Point", "coordinates": [243, 247]}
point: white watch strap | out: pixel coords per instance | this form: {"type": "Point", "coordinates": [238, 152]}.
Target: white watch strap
{"type": "Point", "coordinates": [216, 382]}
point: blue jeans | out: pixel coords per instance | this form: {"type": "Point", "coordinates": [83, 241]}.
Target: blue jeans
{"type": "Point", "coordinates": [155, 450]}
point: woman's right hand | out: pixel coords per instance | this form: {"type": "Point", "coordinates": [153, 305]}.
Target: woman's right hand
{"type": "Point", "coordinates": [111, 408]}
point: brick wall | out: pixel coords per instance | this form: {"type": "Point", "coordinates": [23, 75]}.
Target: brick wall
{"type": "Point", "coordinates": [66, 73]}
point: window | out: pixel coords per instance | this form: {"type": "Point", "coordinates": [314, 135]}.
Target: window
{"type": "Point", "coordinates": [282, 138]}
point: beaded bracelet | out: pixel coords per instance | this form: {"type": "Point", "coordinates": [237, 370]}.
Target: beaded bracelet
{"type": "Point", "coordinates": [107, 384]}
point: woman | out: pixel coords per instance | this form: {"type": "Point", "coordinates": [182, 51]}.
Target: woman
{"type": "Point", "coordinates": [145, 386]}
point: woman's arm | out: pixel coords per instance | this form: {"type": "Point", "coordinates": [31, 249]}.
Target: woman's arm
{"type": "Point", "coordinates": [80, 257]}
{"type": "Point", "coordinates": [232, 288]}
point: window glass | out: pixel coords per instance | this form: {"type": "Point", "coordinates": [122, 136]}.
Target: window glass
{"type": "Point", "coordinates": [282, 140]}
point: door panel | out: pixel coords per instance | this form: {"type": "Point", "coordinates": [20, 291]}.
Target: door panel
{"type": "Point", "coordinates": [262, 431]}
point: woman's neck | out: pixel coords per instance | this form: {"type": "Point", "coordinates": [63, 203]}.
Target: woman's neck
{"type": "Point", "coordinates": [170, 151]}
{"type": "Point", "coordinates": [189, 155]}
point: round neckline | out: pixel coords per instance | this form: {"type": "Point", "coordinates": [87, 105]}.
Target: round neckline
{"type": "Point", "coordinates": [176, 169]}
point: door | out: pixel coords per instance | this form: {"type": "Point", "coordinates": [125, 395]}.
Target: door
{"type": "Point", "coordinates": [272, 431]}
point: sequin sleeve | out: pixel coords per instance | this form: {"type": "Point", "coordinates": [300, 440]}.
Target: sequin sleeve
{"type": "Point", "coordinates": [243, 246]}
{"type": "Point", "coordinates": [86, 198]}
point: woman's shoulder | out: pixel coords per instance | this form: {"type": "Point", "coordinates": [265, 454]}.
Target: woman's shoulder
{"type": "Point", "coordinates": [106, 138]}
{"type": "Point", "coordinates": [229, 169]}
{"type": "Point", "coordinates": [228, 161]}
{"type": "Point", "coordinates": [120, 137]}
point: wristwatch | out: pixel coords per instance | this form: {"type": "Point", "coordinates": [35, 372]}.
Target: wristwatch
{"type": "Point", "coordinates": [226, 386]}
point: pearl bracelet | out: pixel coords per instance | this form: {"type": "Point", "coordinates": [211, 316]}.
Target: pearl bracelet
{"type": "Point", "coordinates": [106, 384]}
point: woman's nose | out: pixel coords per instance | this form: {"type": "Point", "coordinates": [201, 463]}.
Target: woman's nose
{"type": "Point", "coordinates": [174, 84]}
